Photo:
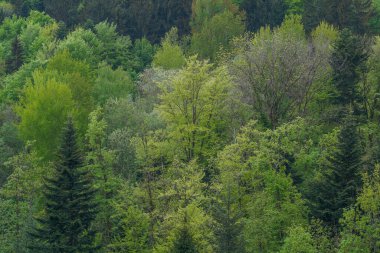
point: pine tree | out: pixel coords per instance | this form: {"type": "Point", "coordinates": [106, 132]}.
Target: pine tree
{"type": "Point", "coordinates": [70, 209]}
{"type": "Point", "coordinates": [347, 62]}
{"type": "Point", "coordinates": [341, 181]}
{"type": "Point", "coordinates": [15, 61]}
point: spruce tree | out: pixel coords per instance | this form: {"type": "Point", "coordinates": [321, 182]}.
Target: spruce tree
{"type": "Point", "coordinates": [15, 60]}
{"type": "Point", "coordinates": [184, 242]}
{"type": "Point", "coordinates": [341, 180]}
{"type": "Point", "coordinates": [230, 227]}
{"type": "Point", "coordinates": [348, 62]}
{"type": "Point", "coordinates": [70, 208]}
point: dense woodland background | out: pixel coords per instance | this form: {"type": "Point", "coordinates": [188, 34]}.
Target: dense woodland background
{"type": "Point", "coordinates": [190, 126]}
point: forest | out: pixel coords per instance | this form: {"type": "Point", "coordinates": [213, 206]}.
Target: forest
{"type": "Point", "coordinates": [190, 126]}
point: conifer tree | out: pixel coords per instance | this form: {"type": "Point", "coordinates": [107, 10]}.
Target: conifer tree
{"type": "Point", "coordinates": [347, 62]}
{"type": "Point", "coordinates": [70, 209]}
{"type": "Point", "coordinates": [352, 14]}
{"type": "Point", "coordinates": [15, 61]}
{"type": "Point", "coordinates": [184, 242]}
{"type": "Point", "coordinates": [263, 12]}
{"type": "Point", "coordinates": [229, 219]}
{"type": "Point", "coordinates": [341, 180]}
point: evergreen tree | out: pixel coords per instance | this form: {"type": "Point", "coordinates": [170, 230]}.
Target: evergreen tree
{"type": "Point", "coordinates": [341, 181]}
{"type": "Point", "coordinates": [184, 242]}
{"type": "Point", "coordinates": [70, 209]}
{"type": "Point", "coordinates": [67, 11]}
{"type": "Point", "coordinates": [230, 226]}
{"type": "Point", "coordinates": [263, 12]}
{"type": "Point", "coordinates": [15, 61]}
{"type": "Point", "coordinates": [347, 62]}
{"type": "Point", "coordinates": [352, 14]}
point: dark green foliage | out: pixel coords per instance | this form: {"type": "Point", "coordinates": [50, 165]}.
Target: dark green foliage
{"type": "Point", "coordinates": [153, 18]}
{"type": "Point", "coordinates": [263, 12]}
{"type": "Point", "coordinates": [136, 18]}
{"type": "Point", "coordinates": [10, 144]}
{"type": "Point", "coordinates": [341, 179]}
{"type": "Point", "coordinates": [352, 14]}
{"type": "Point", "coordinates": [184, 242]}
{"type": "Point", "coordinates": [347, 62]}
{"type": "Point", "coordinates": [66, 223]}
{"type": "Point", "coordinates": [230, 228]}
{"type": "Point", "coordinates": [15, 60]}
{"type": "Point", "coordinates": [67, 11]}
{"type": "Point", "coordinates": [23, 7]}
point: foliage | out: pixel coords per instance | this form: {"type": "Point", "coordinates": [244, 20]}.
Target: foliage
{"type": "Point", "coordinates": [65, 224]}
{"type": "Point", "coordinates": [19, 198]}
{"type": "Point", "coordinates": [216, 34]}
{"type": "Point", "coordinates": [41, 102]}
{"type": "Point", "coordinates": [278, 71]}
{"type": "Point", "coordinates": [170, 55]}
{"type": "Point", "coordinates": [112, 84]}
{"type": "Point", "coordinates": [261, 13]}
{"type": "Point", "coordinates": [205, 126]}
{"type": "Point", "coordinates": [14, 62]}
{"type": "Point", "coordinates": [341, 181]}
{"type": "Point", "coordinates": [360, 227]}
{"type": "Point", "coordinates": [347, 62]}
{"type": "Point", "coordinates": [298, 240]}
{"type": "Point", "coordinates": [192, 105]}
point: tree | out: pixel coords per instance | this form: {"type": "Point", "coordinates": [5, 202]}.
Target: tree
{"type": "Point", "coordinates": [170, 55]}
{"type": "Point", "coordinates": [131, 229]}
{"type": "Point", "coordinates": [184, 243]}
{"type": "Point", "coordinates": [150, 19]}
{"type": "Point", "coordinates": [341, 181]}
{"type": "Point", "coordinates": [112, 84]}
{"type": "Point", "coordinates": [273, 209]}
{"type": "Point", "coordinates": [278, 71]}
{"type": "Point", "coordinates": [204, 10]}
{"type": "Point", "coordinates": [352, 14]}
{"type": "Point", "coordinates": [192, 104]}
{"type": "Point", "coordinates": [15, 61]}
{"type": "Point", "coordinates": [229, 216]}
{"type": "Point", "coordinates": [6, 10]}
{"type": "Point", "coordinates": [217, 33]}
{"type": "Point", "coordinates": [67, 11]}
{"type": "Point", "coordinates": [360, 223]}
{"type": "Point", "coordinates": [70, 209]}
{"type": "Point", "coordinates": [82, 45]}
{"type": "Point", "coordinates": [261, 13]}
{"type": "Point", "coordinates": [253, 173]}
{"type": "Point", "coordinates": [116, 50]}
{"type": "Point", "coordinates": [348, 63]}
{"type": "Point", "coordinates": [78, 77]}
{"type": "Point", "coordinates": [100, 161]}
{"type": "Point", "coordinates": [299, 240]}
{"type": "Point", "coordinates": [44, 101]}
{"type": "Point", "coordinates": [40, 31]}
{"type": "Point", "coordinates": [19, 198]}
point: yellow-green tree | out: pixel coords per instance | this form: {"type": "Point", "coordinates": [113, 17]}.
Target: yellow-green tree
{"type": "Point", "coordinates": [43, 110]}
{"type": "Point", "coordinates": [192, 104]}
{"type": "Point", "coordinates": [361, 225]}
{"type": "Point", "coordinates": [170, 55]}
